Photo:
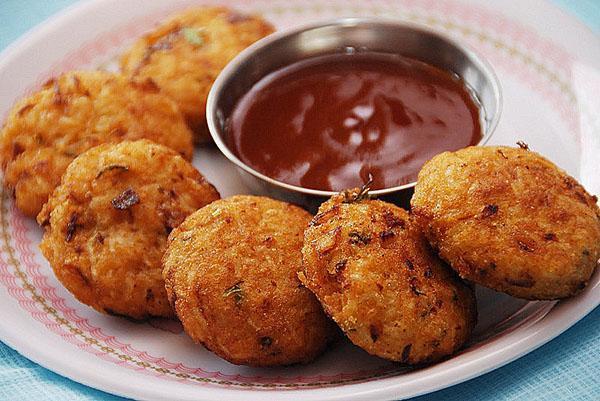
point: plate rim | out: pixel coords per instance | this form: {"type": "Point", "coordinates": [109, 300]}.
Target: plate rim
{"type": "Point", "coordinates": [461, 373]}
{"type": "Point", "coordinates": [559, 318]}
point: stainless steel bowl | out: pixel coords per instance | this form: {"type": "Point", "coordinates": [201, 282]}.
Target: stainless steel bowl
{"type": "Point", "coordinates": [341, 36]}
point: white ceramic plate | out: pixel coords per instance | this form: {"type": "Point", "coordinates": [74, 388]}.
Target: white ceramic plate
{"type": "Point", "coordinates": [548, 64]}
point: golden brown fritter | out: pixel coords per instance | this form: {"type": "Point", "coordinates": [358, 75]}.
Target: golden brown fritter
{"type": "Point", "coordinates": [106, 225]}
{"type": "Point", "coordinates": [185, 54]}
{"type": "Point", "coordinates": [47, 130]}
{"type": "Point", "coordinates": [376, 276]}
{"type": "Point", "coordinates": [231, 272]}
{"type": "Point", "coordinates": [510, 220]}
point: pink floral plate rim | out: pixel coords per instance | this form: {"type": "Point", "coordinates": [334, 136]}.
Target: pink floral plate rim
{"type": "Point", "coordinates": [542, 67]}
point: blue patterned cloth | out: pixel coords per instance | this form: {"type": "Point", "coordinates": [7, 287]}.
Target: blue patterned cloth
{"type": "Point", "coordinates": [566, 369]}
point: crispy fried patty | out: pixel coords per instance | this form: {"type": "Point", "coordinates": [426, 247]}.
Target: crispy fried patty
{"type": "Point", "coordinates": [510, 220]}
{"type": "Point", "coordinates": [377, 277]}
{"type": "Point", "coordinates": [185, 54]}
{"type": "Point", "coordinates": [231, 272]}
{"type": "Point", "coordinates": [47, 130]}
{"type": "Point", "coordinates": [106, 225]}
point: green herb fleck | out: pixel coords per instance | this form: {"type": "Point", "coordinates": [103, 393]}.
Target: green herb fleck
{"type": "Point", "coordinates": [351, 196]}
{"type": "Point", "coordinates": [265, 342]}
{"type": "Point", "coordinates": [235, 291]}
{"type": "Point", "coordinates": [413, 286]}
{"type": "Point", "coordinates": [192, 35]}
{"type": "Point", "coordinates": [112, 167]}
{"type": "Point", "coordinates": [126, 199]}
{"type": "Point", "coordinates": [357, 238]}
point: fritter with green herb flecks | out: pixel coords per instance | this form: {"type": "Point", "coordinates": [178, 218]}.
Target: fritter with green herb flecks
{"type": "Point", "coordinates": [376, 276]}
{"type": "Point", "coordinates": [510, 220]}
{"type": "Point", "coordinates": [106, 225]}
{"type": "Point", "coordinates": [231, 272]}
{"type": "Point", "coordinates": [79, 110]}
{"type": "Point", "coordinates": [185, 54]}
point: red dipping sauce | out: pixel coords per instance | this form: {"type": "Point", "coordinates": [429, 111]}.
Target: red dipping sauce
{"type": "Point", "coordinates": [329, 122]}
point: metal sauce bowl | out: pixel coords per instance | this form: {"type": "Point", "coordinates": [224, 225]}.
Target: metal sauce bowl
{"type": "Point", "coordinates": [342, 36]}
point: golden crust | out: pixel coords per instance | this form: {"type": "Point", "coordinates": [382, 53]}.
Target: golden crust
{"type": "Point", "coordinates": [376, 276]}
{"type": "Point", "coordinates": [106, 225]}
{"type": "Point", "coordinates": [185, 54]}
{"type": "Point", "coordinates": [47, 130]}
{"type": "Point", "coordinates": [510, 220]}
{"type": "Point", "coordinates": [231, 272]}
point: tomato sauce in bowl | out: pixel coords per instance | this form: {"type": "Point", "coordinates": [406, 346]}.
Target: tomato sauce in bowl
{"type": "Point", "coordinates": [332, 122]}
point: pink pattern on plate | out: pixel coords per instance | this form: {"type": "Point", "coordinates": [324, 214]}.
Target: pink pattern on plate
{"type": "Point", "coordinates": [476, 18]}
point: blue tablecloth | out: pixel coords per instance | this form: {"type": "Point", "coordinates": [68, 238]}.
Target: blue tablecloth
{"type": "Point", "coordinates": [567, 368]}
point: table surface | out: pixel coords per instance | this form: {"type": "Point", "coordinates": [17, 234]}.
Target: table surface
{"type": "Point", "coordinates": [567, 368]}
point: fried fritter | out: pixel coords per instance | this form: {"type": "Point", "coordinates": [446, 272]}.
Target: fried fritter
{"type": "Point", "coordinates": [376, 276]}
{"type": "Point", "coordinates": [47, 130]}
{"type": "Point", "coordinates": [185, 54]}
{"type": "Point", "coordinates": [231, 272]}
{"type": "Point", "coordinates": [106, 225]}
{"type": "Point", "coordinates": [510, 220]}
